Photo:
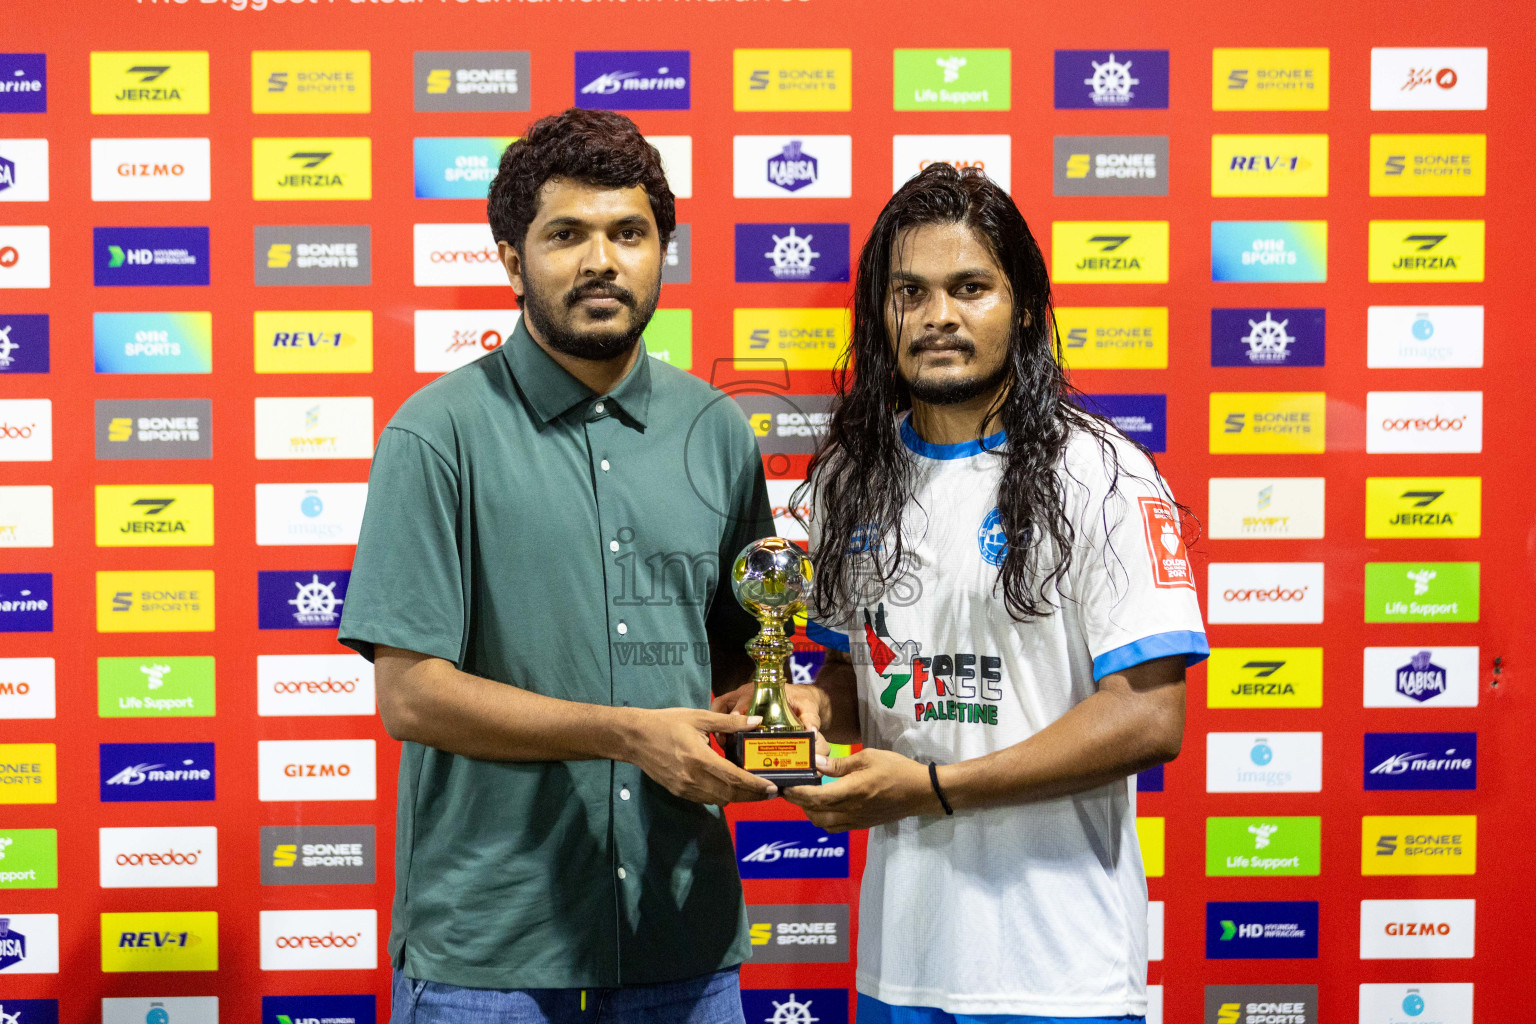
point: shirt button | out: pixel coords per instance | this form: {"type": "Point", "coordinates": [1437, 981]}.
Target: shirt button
{"type": "Point", "coordinates": [622, 874]}
{"type": "Point", "coordinates": [598, 408]}
{"type": "Point", "coordinates": [623, 628]}
{"type": "Point", "coordinates": [613, 545]}
{"type": "Point", "coordinates": [605, 465]}
{"type": "Point", "coordinates": [624, 793]}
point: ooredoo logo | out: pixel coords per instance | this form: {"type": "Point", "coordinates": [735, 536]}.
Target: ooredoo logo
{"type": "Point", "coordinates": [1423, 421]}
{"type": "Point", "coordinates": [143, 858]}
{"type": "Point", "coordinates": [452, 255]}
{"type": "Point", "coordinates": [319, 940]}
{"type": "Point", "coordinates": [1265, 592]}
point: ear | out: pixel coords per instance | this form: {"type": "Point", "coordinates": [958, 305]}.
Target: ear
{"type": "Point", "coordinates": [513, 263]}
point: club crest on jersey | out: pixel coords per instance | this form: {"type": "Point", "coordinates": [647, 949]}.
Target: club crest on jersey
{"type": "Point", "coordinates": [1165, 545]}
{"type": "Point", "coordinates": [971, 680]}
{"type": "Point", "coordinates": [991, 538]}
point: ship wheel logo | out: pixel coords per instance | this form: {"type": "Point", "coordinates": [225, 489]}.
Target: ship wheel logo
{"type": "Point", "coordinates": [1111, 81]}
{"type": "Point", "coordinates": [1267, 340]}
{"type": "Point", "coordinates": [792, 255]}
{"type": "Point", "coordinates": [792, 1012]}
{"type": "Point", "coordinates": [315, 602]}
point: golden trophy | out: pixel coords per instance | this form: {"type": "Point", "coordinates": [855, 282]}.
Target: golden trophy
{"type": "Point", "coordinates": [771, 578]}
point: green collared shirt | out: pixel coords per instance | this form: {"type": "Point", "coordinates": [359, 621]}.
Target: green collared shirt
{"type": "Point", "coordinates": [539, 535]}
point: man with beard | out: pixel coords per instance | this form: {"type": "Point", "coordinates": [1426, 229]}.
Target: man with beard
{"type": "Point", "coordinates": [542, 582]}
{"type": "Point", "coordinates": [1003, 583]}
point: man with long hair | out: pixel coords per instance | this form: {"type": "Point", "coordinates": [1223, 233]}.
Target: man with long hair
{"type": "Point", "coordinates": [536, 585]}
{"type": "Point", "coordinates": [1004, 586]}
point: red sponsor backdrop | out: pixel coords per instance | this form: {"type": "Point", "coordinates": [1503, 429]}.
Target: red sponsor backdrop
{"type": "Point", "coordinates": [551, 31]}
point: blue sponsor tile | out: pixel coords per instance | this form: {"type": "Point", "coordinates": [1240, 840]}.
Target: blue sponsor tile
{"type": "Point", "coordinates": [1111, 79]}
{"type": "Point", "coordinates": [128, 257]}
{"type": "Point", "coordinates": [23, 343]}
{"type": "Point", "coordinates": [1268, 930]}
{"type": "Point", "coordinates": [791, 252]}
{"type": "Point", "coordinates": [1421, 760]}
{"type": "Point", "coordinates": [139, 772]}
{"type": "Point", "coordinates": [1268, 337]}
{"type": "Point", "coordinates": [633, 79]}
{"type": "Point", "coordinates": [790, 849]}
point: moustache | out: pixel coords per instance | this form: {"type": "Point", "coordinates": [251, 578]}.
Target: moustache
{"type": "Point", "coordinates": [936, 342]}
{"type": "Point", "coordinates": [599, 289]}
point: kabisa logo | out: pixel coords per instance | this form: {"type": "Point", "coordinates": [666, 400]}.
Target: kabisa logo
{"type": "Point", "coordinates": [23, 170]}
{"type": "Point", "coordinates": [29, 944]}
{"type": "Point", "coordinates": [1110, 165]}
{"type": "Point", "coordinates": [317, 855]}
{"type": "Point", "coordinates": [1268, 422]}
{"type": "Point", "coordinates": [26, 602]}
{"type": "Point", "coordinates": [789, 849]}
{"type": "Point", "coordinates": [1422, 591]}
{"type": "Point", "coordinates": [1269, 165]}
{"type": "Point", "coordinates": [1114, 337]}
{"type": "Point", "coordinates": [1430, 844]}
{"type": "Point", "coordinates": [1274, 762]}
{"type": "Point", "coordinates": [1265, 677]}
{"type": "Point", "coordinates": [792, 79]}
{"type": "Point", "coordinates": [815, 933]}
{"type": "Point", "coordinates": [1426, 250]}
{"type": "Point", "coordinates": [1093, 252]}
{"type": "Point", "coordinates": [158, 687]}
{"type": "Point", "coordinates": [153, 342]}
{"type": "Point", "coordinates": [457, 168]}
{"type": "Point", "coordinates": [304, 254]}
{"type": "Point", "coordinates": [1417, 929]}
{"type": "Point", "coordinates": [1263, 930]}
{"type": "Point", "coordinates": [24, 342]}
{"type": "Point", "coordinates": [471, 80]}
{"type": "Point", "coordinates": [1263, 847]}
{"type": "Point", "coordinates": [1429, 165]}
{"type": "Point", "coordinates": [1421, 760]}
{"type": "Point", "coordinates": [952, 79]}
{"type": "Point", "coordinates": [972, 682]}
{"type": "Point", "coordinates": [310, 82]}
{"type": "Point", "coordinates": [1142, 418]}
{"type": "Point", "coordinates": [151, 170]}
{"type": "Point", "coordinates": [29, 858]}
{"type": "Point", "coordinates": [318, 1010]}
{"type": "Point", "coordinates": [801, 1006]}
{"type": "Point", "coordinates": [175, 428]}
{"type": "Point", "coordinates": [1268, 337]}
{"type": "Point", "coordinates": [792, 168]}
{"type": "Point", "coordinates": [170, 515]}
{"type": "Point", "coordinates": [149, 82]}
{"type": "Point", "coordinates": [29, 773]}
{"type": "Point", "coordinates": [1262, 78]}
{"type": "Point", "coordinates": [134, 858]}
{"type": "Point", "coordinates": [150, 256]}
{"type": "Point", "coordinates": [1269, 251]}
{"type": "Point", "coordinates": [1260, 1004]}
{"type": "Point", "coordinates": [791, 252]}
{"type": "Point", "coordinates": [312, 168]}
{"type": "Point", "coordinates": [1111, 79]}
{"type": "Point", "coordinates": [23, 83]}
{"type": "Point", "coordinates": [804, 166]}
{"type": "Point", "coordinates": [314, 341]}
{"type": "Point", "coordinates": [319, 940]}
{"type": "Point", "coordinates": [29, 1011]}
{"type": "Point", "coordinates": [187, 941]}
{"type": "Point", "coordinates": [301, 600]}
{"type": "Point", "coordinates": [156, 771]}
{"type": "Point", "coordinates": [1429, 78]}
{"type": "Point", "coordinates": [632, 79]}
{"type": "Point", "coordinates": [1423, 506]}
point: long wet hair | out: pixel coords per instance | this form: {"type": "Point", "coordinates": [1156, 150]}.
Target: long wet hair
{"type": "Point", "coordinates": [862, 474]}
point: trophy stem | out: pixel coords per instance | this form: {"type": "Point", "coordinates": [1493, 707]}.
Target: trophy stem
{"type": "Point", "coordinates": [770, 650]}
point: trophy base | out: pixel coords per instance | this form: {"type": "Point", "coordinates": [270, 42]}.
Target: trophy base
{"type": "Point", "coordinates": [783, 758]}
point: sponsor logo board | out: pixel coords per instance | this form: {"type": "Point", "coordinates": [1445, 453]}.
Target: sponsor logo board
{"type": "Point", "coordinates": [26, 516]}
{"type": "Point", "coordinates": [1422, 591]}
{"type": "Point", "coordinates": [175, 1010]}
{"type": "Point", "coordinates": [471, 80]}
{"type": "Point", "coordinates": [1429, 78]}
{"type": "Point", "coordinates": [1420, 760]}
{"type": "Point", "coordinates": [153, 342]}
{"type": "Point", "coordinates": [1260, 1004]}
{"type": "Point", "coordinates": [789, 849]}
{"type": "Point", "coordinates": [28, 689]}
{"type": "Point", "coordinates": [787, 424]}
{"type": "Point", "coordinates": [1269, 78]}
{"type": "Point", "coordinates": [301, 600]}
{"type": "Point", "coordinates": [803, 166]}
{"type": "Point", "coordinates": [633, 79]}
{"type": "Point", "coordinates": [26, 430]}
{"type": "Point", "coordinates": [1268, 422]}
{"type": "Point", "coordinates": [1142, 418]}
{"type": "Point", "coordinates": [313, 255]}
{"type": "Point", "coordinates": [798, 934]}
{"type": "Point", "coordinates": [153, 858]}
{"type": "Point", "coordinates": [457, 168]}
{"type": "Point", "coordinates": [29, 773]}
{"type": "Point", "coordinates": [1114, 337]}
{"type": "Point", "coordinates": [312, 168]}
{"type": "Point", "coordinates": [24, 256]}
{"type": "Point", "coordinates": [1428, 844]}
{"type": "Point", "coordinates": [1264, 677]}
{"type": "Point", "coordinates": [1272, 762]}
{"type": "Point", "coordinates": [1423, 421]}
{"type": "Point", "coordinates": [1425, 250]}
{"type": "Point", "coordinates": [1421, 677]}
{"type": "Point", "coordinates": [456, 255]}
{"type": "Point", "coordinates": [314, 341]}
{"type": "Point", "coordinates": [1111, 79]}
{"type": "Point", "coordinates": [29, 943]}
{"type": "Point", "coordinates": [310, 82]}
{"type": "Point", "coordinates": [23, 83]}
{"type": "Point", "coordinates": [143, 257]}
{"type": "Point", "coordinates": [29, 857]}
{"type": "Point", "coordinates": [26, 602]}
{"type": "Point", "coordinates": [1094, 252]}
{"type": "Point", "coordinates": [1268, 337]}
{"type": "Point", "coordinates": [315, 770]}
{"type": "Point", "coordinates": [1406, 506]}
{"type": "Point", "coordinates": [446, 339]}
{"type": "Point", "coordinates": [309, 513]}
{"type": "Point", "coordinates": [163, 515]}
{"type": "Point", "coordinates": [317, 1010]}
{"type": "Point", "coordinates": [1269, 165]}
{"type": "Point", "coordinates": [1417, 929]}
{"type": "Point", "coordinates": [951, 79]}
{"type": "Point", "coordinates": [23, 170]}
{"type": "Point", "coordinates": [1429, 165]}
{"type": "Point", "coordinates": [150, 170]}
{"type": "Point", "coordinates": [318, 855]}
{"type": "Point", "coordinates": [1110, 165]}
{"type": "Point", "coordinates": [1263, 847]}
{"type": "Point", "coordinates": [159, 941]}
{"type": "Point", "coordinates": [1261, 930]}
{"type": "Point", "coordinates": [314, 428]}
{"type": "Point", "coordinates": [1424, 336]}
{"type": "Point", "coordinates": [791, 253]}
{"type": "Point", "coordinates": [1269, 251]}
{"type": "Point", "coordinates": [155, 687]}
{"type": "Point", "coordinates": [140, 772]}
{"type": "Point", "coordinates": [170, 428]}
{"type": "Point", "coordinates": [149, 82]}
{"type": "Point", "coordinates": [313, 684]}
{"type": "Point", "coordinates": [154, 601]}
{"type": "Point", "coordinates": [1423, 1003]}
{"type": "Point", "coordinates": [1243, 508]}
{"type": "Point", "coordinates": [780, 1005]}
{"type": "Point", "coordinates": [990, 154]}
{"type": "Point", "coordinates": [792, 79]}
{"type": "Point", "coordinates": [803, 339]}
{"type": "Point", "coordinates": [23, 343]}
{"type": "Point", "coordinates": [319, 940]}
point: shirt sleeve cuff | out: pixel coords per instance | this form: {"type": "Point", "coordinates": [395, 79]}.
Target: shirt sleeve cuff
{"type": "Point", "coordinates": [817, 633]}
{"type": "Point", "coordinates": [1159, 645]}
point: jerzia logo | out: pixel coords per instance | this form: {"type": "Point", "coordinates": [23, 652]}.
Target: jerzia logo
{"type": "Point", "coordinates": [1444, 250]}
{"type": "Point", "coordinates": [1109, 251]}
{"type": "Point", "coordinates": [159, 82]}
{"type": "Point", "coordinates": [312, 168]}
{"type": "Point", "coordinates": [632, 79]}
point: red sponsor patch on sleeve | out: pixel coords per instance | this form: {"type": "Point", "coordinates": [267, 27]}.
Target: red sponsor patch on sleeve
{"type": "Point", "coordinates": [1170, 561]}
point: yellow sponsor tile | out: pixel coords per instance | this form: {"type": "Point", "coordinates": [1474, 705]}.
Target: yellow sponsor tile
{"type": "Point", "coordinates": [1089, 252]}
{"type": "Point", "coordinates": [314, 341]}
{"type": "Point", "coordinates": [155, 601]}
{"type": "Point", "coordinates": [145, 515]}
{"type": "Point", "coordinates": [1423, 506]}
{"type": "Point", "coordinates": [29, 773]}
{"type": "Point", "coordinates": [1269, 78]}
{"type": "Point", "coordinates": [1268, 422]}
{"type": "Point", "coordinates": [792, 79]}
{"type": "Point", "coordinates": [1151, 832]}
{"type": "Point", "coordinates": [1264, 677]}
{"type": "Point", "coordinates": [310, 82]}
{"type": "Point", "coordinates": [312, 168]}
{"type": "Point", "coordinates": [1426, 250]}
{"type": "Point", "coordinates": [804, 339]}
{"type": "Point", "coordinates": [1114, 337]}
{"type": "Point", "coordinates": [1425, 844]}
{"type": "Point", "coordinates": [1269, 165]}
{"type": "Point", "coordinates": [160, 941]}
{"type": "Point", "coordinates": [1429, 165]}
{"type": "Point", "coordinates": [149, 82]}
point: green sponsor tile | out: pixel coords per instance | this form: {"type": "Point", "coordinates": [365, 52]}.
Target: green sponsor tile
{"type": "Point", "coordinates": [1422, 591]}
{"type": "Point", "coordinates": [29, 858]}
{"type": "Point", "coordinates": [1263, 847]}
{"type": "Point", "coordinates": [952, 79]}
{"type": "Point", "coordinates": [154, 687]}
{"type": "Point", "coordinates": [669, 337]}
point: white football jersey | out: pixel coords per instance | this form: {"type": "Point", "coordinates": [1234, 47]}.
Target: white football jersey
{"type": "Point", "coordinates": [1040, 908]}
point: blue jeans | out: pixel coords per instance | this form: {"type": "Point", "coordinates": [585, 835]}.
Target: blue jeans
{"type": "Point", "coordinates": [873, 1011]}
{"type": "Point", "coordinates": [708, 999]}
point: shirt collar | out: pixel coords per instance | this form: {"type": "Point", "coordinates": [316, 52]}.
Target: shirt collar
{"type": "Point", "coordinates": [551, 391]}
{"type": "Point", "coordinates": [947, 452]}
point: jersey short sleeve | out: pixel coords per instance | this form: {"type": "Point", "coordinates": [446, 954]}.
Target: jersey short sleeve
{"type": "Point", "coordinates": [1131, 574]}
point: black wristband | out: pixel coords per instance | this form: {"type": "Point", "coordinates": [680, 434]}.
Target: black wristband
{"type": "Point", "coordinates": [933, 777]}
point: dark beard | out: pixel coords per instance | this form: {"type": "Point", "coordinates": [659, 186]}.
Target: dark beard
{"type": "Point", "coordinates": [956, 392]}
{"type": "Point", "coordinates": [600, 347]}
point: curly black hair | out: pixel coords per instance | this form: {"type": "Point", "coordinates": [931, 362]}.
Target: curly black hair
{"type": "Point", "coordinates": [596, 147]}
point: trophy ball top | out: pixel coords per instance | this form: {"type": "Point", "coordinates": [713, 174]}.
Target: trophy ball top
{"type": "Point", "coordinates": [771, 576]}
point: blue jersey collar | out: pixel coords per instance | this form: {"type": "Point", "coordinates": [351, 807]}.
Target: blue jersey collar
{"type": "Point", "coordinates": [945, 452]}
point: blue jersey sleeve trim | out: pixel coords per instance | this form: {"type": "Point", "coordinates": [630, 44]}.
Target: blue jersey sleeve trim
{"type": "Point", "coordinates": [820, 634]}
{"type": "Point", "coordinates": [1148, 648]}
{"type": "Point", "coordinates": [963, 450]}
